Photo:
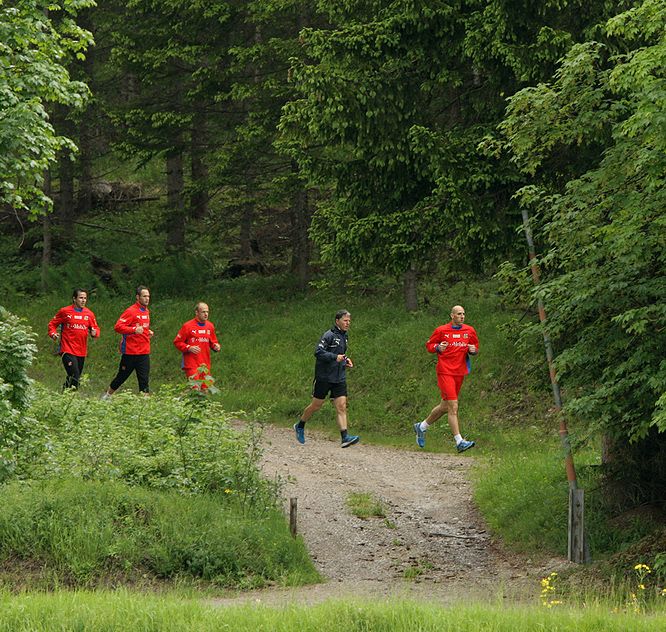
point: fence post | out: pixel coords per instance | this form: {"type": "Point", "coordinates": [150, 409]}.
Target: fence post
{"type": "Point", "coordinates": [293, 510]}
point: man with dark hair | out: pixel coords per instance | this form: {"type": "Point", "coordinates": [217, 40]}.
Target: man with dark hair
{"type": "Point", "coordinates": [70, 328]}
{"type": "Point", "coordinates": [194, 340]}
{"type": "Point", "coordinates": [453, 343]}
{"type": "Point", "coordinates": [134, 327]}
{"type": "Point", "coordinates": [330, 377]}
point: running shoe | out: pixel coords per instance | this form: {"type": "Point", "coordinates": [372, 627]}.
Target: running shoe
{"type": "Point", "coordinates": [350, 440]}
{"type": "Point", "coordinates": [465, 445]}
{"type": "Point", "coordinates": [300, 433]}
{"type": "Point", "coordinates": [420, 435]}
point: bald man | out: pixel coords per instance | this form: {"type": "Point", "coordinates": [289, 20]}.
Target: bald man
{"type": "Point", "coordinates": [453, 343]}
{"type": "Point", "coordinates": [195, 340]}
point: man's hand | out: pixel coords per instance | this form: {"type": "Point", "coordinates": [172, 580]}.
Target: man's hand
{"type": "Point", "coordinates": [216, 347]}
{"type": "Point", "coordinates": [348, 362]}
{"type": "Point", "coordinates": [55, 337]}
{"type": "Point", "coordinates": [441, 346]}
{"type": "Point", "coordinates": [138, 329]}
{"type": "Point", "coordinates": [151, 333]}
{"type": "Point", "coordinates": [472, 349]}
{"type": "Point", "coordinates": [194, 349]}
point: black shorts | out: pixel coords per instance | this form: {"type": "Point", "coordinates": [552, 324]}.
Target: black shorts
{"type": "Point", "coordinates": [320, 389]}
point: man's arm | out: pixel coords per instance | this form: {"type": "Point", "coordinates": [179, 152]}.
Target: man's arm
{"type": "Point", "coordinates": [214, 343]}
{"type": "Point", "coordinates": [53, 324]}
{"type": "Point", "coordinates": [320, 349]}
{"type": "Point", "coordinates": [433, 344]}
{"type": "Point", "coordinates": [123, 326]}
{"type": "Point", "coordinates": [473, 347]}
{"type": "Point", "coordinates": [180, 340]}
{"type": "Point", "coordinates": [94, 327]}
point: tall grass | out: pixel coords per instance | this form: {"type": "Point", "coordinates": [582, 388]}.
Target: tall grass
{"type": "Point", "coordinates": [91, 533]}
{"type": "Point", "coordinates": [115, 612]}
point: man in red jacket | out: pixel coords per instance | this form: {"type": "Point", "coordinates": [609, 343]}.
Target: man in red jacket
{"type": "Point", "coordinates": [70, 328]}
{"type": "Point", "coordinates": [453, 343]}
{"type": "Point", "coordinates": [195, 340]}
{"type": "Point", "coordinates": [134, 326]}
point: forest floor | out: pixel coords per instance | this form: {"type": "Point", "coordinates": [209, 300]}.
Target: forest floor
{"type": "Point", "coordinates": [432, 543]}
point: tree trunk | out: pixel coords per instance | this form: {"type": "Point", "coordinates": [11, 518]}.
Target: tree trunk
{"type": "Point", "coordinates": [65, 211]}
{"type": "Point", "coordinates": [85, 157]}
{"type": "Point", "coordinates": [46, 235]}
{"type": "Point", "coordinates": [84, 195]}
{"type": "Point", "coordinates": [175, 222]}
{"type": "Point", "coordinates": [300, 240]}
{"type": "Point", "coordinates": [199, 169]}
{"type": "Point", "coordinates": [410, 286]}
{"type": "Point", "coordinates": [247, 216]}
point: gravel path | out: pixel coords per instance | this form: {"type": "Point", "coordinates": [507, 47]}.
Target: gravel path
{"type": "Point", "coordinates": [432, 543]}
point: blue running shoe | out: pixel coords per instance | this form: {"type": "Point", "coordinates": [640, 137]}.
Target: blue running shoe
{"type": "Point", "coordinates": [350, 440]}
{"type": "Point", "coordinates": [420, 435]}
{"type": "Point", "coordinates": [465, 445]}
{"type": "Point", "coordinates": [300, 433]}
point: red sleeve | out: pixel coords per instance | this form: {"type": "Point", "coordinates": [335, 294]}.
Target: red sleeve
{"type": "Point", "coordinates": [94, 325]}
{"type": "Point", "coordinates": [121, 325]}
{"type": "Point", "coordinates": [181, 337]}
{"type": "Point", "coordinates": [434, 340]}
{"type": "Point", "coordinates": [475, 340]}
{"type": "Point", "coordinates": [213, 336]}
{"type": "Point", "coordinates": [55, 321]}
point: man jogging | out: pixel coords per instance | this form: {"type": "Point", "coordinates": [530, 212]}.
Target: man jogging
{"type": "Point", "coordinates": [134, 326]}
{"type": "Point", "coordinates": [453, 343]}
{"type": "Point", "coordinates": [195, 340]}
{"type": "Point", "coordinates": [70, 328]}
{"type": "Point", "coordinates": [330, 377]}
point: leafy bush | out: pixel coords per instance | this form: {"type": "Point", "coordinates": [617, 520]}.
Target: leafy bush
{"type": "Point", "coordinates": [169, 441]}
{"type": "Point", "coordinates": [85, 531]}
{"type": "Point", "coordinates": [17, 349]}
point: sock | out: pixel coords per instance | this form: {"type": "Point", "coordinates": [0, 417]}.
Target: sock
{"type": "Point", "coordinates": [301, 424]}
{"type": "Point", "coordinates": [424, 426]}
{"type": "Point", "coordinates": [458, 438]}
{"type": "Point", "coordinates": [343, 434]}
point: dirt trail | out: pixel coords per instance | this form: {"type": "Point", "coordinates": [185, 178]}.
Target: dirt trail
{"type": "Point", "coordinates": [432, 544]}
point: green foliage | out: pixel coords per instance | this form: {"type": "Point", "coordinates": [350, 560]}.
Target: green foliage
{"type": "Point", "coordinates": [392, 102]}
{"type": "Point", "coordinates": [17, 349]}
{"type": "Point", "coordinates": [172, 440]}
{"type": "Point", "coordinates": [144, 533]}
{"type": "Point", "coordinates": [603, 222]}
{"type": "Point", "coordinates": [33, 76]}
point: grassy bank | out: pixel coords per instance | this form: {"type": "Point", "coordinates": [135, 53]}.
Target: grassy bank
{"type": "Point", "coordinates": [59, 533]}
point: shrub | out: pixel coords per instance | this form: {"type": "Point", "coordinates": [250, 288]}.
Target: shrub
{"type": "Point", "coordinates": [17, 350]}
{"type": "Point", "coordinates": [169, 441]}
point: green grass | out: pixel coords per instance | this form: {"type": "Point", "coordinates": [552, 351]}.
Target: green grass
{"type": "Point", "coordinates": [121, 611]}
{"type": "Point", "coordinates": [268, 331]}
{"type": "Point", "coordinates": [364, 505]}
{"type": "Point", "coordinates": [268, 334]}
{"type": "Point", "coordinates": [78, 533]}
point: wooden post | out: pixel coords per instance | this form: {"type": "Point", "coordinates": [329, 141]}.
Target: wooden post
{"type": "Point", "coordinates": [293, 510]}
{"type": "Point", "coordinates": [577, 551]}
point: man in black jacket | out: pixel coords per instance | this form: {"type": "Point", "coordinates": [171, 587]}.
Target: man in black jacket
{"type": "Point", "coordinates": [330, 377]}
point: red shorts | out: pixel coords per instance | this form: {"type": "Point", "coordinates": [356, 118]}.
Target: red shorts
{"type": "Point", "coordinates": [449, 385]}
{"type": "Point", "coordinates": [197, 378]}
